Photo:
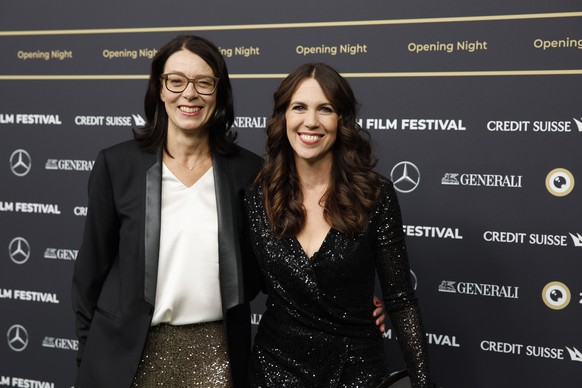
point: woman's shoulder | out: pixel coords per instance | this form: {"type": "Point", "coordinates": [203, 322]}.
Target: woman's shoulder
{"type": "Point", "coordinates": [254, 194]}
{"type": "Point", "coordinates": [241, 166]}
{"type": "Point", "coordinates": [385, 184]}
{"type": "Point", "coordinates": [243, 159]}
{"type": "Point", "coordinates": [127, 155]}
{"type": "Point", "coordinates": [388, 197]}
{"type": "Point", "coordinates": [128, 146]}
{"type": "Point", "coordinates": [247, 154]}
{"type": "Point", "coordinates": [255, 189]}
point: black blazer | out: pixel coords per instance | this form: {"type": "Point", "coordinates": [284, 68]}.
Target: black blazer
{"type": "Point", "coordinates": [115, 275]}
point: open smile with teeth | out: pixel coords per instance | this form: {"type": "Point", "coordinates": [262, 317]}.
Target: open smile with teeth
{"type": "Point", "coordinates": [310, 138]}
{"type": "Point", "coordinates": [188, 109]}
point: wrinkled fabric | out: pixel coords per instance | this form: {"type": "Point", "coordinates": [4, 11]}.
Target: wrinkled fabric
{"type": "Point", "coordinates": [318, 329]}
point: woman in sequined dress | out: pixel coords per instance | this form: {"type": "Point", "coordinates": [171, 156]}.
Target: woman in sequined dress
{"type": "Point", "coordinates": [322, 224]}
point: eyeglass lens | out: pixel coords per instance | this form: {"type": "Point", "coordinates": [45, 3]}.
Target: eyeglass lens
{"type": "Point", "coordinates": [178, 83]}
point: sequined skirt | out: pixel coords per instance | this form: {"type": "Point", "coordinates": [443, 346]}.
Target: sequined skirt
{"type": "Point", "coordinates": [185, 356]}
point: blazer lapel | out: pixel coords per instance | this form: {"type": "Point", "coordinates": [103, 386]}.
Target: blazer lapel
{"type": "Point", "coordinates": [153, 203]}
{"type": "Point", "coordinates": [230, 270]}
{"type": "Point", "coordinates": [228, 239]}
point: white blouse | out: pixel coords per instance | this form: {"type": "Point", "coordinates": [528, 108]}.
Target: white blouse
{"type": "Point", "coordinates": [188, 287]}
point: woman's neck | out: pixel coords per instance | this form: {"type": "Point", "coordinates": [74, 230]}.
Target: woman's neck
{"type": "Point", "coordinates": [314, 176]}
{"type": "Point", "coordinates": [188, 148]}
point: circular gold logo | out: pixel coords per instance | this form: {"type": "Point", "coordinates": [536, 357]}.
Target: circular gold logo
{"type": "Point", "coordinates": [560, 182]}
{"type": "Point", "coordinates": [556, 295]}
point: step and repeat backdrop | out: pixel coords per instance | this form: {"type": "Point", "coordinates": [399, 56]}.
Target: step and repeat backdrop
{"type": "Point", "coordinates": [474, 110]}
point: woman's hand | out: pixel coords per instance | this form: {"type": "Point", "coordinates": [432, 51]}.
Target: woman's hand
{"type": "Point", "coordinates": [379, 314]}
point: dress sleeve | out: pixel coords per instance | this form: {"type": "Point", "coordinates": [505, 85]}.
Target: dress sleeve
{"type": "Point", "coordinates": [98, 250]}
{"type": "Point", "coordinates": [397, 291]}
{"type": "Point", "coordinates": [253, 275]}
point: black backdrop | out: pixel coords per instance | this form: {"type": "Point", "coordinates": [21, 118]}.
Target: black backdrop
{"type": "Point", "coordinates": [477, 104]}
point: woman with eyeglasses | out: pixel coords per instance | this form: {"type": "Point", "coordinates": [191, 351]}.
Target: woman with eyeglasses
{"type": "Point", "coordinates": [164, 275]}
{"type": "Point", "coordinates": [160, 287]}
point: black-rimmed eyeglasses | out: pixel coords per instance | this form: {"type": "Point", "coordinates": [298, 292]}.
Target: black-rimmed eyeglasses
{"type": "Point", "coordinates": [177, 83]}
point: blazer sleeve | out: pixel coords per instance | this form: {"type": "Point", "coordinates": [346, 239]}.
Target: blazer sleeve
{"type": "Point", "coordinates": [98, 250]}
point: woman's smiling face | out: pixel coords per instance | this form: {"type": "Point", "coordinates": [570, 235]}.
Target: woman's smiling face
{"type": "Point", "coordinates": [312, 122]}
{"type": "Point", "coordinates": [188, 111]}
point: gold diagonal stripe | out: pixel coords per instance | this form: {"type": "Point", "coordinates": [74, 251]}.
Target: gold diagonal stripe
{"type": "Point", "coordinates": [495, 73]}
{"type": "Point", "coordinates": [355, 23]}
{"type": "Point", "coordinates": [61, 77]}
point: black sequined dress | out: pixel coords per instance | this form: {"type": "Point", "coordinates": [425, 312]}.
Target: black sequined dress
{"type": "Point", "coordinates": [318, 329]}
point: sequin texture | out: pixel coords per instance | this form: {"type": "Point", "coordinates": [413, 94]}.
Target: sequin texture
{"type": "Point", "coordinates": [185, 356]}
{"type": "Point", "coordinates": [318, 329]}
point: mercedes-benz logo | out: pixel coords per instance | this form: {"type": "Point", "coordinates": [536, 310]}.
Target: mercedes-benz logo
{"type": "Point", "coordinates": [20, 162]}
{"type": "Point", "coordinates": [19, 250]}
{"type": "Point", "coordinates": [17, 338]}
{"type": "Point", "coordinates": [405, 176]}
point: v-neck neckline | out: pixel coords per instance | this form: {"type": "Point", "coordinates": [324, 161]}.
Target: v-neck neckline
{"type": "Point", "coordinates": [321, 246]}
{"type": "Point", "coordinates": [178, 180]}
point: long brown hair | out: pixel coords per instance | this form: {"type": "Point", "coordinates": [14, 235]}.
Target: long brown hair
{"type": "Point", "coordinates": [355, 188]}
